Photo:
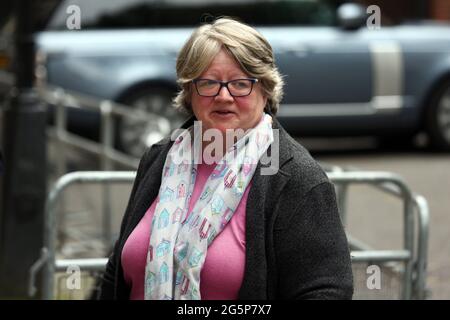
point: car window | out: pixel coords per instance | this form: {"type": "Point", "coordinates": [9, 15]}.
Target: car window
{"type": "Point", "coordinates": [120, 14]}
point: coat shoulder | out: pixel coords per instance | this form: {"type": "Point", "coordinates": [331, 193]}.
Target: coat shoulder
{"type": "Point", "coordinates": [152, 153]}
{"type": "Point", "coordinates": [305, 171]}
{"type": "Point", "coordinates": [307, 182]}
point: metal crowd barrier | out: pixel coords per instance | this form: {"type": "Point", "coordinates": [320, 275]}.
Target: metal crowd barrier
{"type": "Point", "coordinates": [414, 259]}
{"type": "Point", "coordinates": [400, 190]}
{"type": "Point", "coordinates": [47, 260]}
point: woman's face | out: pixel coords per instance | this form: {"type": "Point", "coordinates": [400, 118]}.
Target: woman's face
{"type": "Point", "coordinates": [225, 111]}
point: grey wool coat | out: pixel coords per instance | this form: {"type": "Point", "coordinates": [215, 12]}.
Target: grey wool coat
{"type": "Point", "coordinates": [296, 247]}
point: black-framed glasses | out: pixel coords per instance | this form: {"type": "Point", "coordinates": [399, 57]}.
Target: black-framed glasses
{"type": "Point", "coordinates": [236, 87]}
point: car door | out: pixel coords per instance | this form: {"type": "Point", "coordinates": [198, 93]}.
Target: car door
{"type": "Point", "coordinates": [328, 71]}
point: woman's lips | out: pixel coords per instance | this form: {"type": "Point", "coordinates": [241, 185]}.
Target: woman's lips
{"type": "Point", "coordinates": [223, 114]}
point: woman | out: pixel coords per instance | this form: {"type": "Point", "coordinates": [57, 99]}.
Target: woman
{"type": "Point", "coordinates": [234, 227]}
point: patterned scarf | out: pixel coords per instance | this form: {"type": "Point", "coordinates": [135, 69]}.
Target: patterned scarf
{"type": "Point", "coordinates": [178, 241]}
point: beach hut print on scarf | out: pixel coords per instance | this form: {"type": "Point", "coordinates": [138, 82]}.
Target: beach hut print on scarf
{"type": "Point", "coordinates": [232, 152]}
{"type": "Point", "coordinates": [163, 273]}
{"type": "Point", "coordinates": [184, 285]}
{"type": "Point", "coordinates": [169, 170]}
{"type": "Point", "coordinates": [178, 278]}
{"type": "Point", "coordinates": [167, 195]}
{"type": "Point", "coordinates": [194, 294]}
{"type": "Point", "coordinates": [194, 258]}
{"type": "Point", "coordinates": [229, 179]}
{"type": "Point", "coordinates": [248, 165]}
{"type": "Point", "coordinates": [181, 190]}
{"type": "Point", "coordinates": [193, 220]}
{"type": "Point", "coordinates": [217, 204]}
{"type": "Point", "coordinates": [204, 229]}
{"type": "Point", "coordinates": [153, 224]}
{"type": "Point", "coordinates": [205, 193]}
{"type": "Point", "coordinates": [193, 174]}
{"type": "Point", "coordinates": [183, 167]}
{"type": "Point", "coordinates": [181, 251]}
{"type": "Point", "coordinates": [151, 281]}
{"type": "Point", "coordinates": [212, 235]}
{"type": "Point", "coordinates": [163, 248]}
{"type": "Point", "coordinates": [219, 170]}
{"type": "Point", "coordinates": [178, 140]}
{"type": "Point", "coordinates": [238, 188]}
{"type": "Point", "coordinates": [163, 220]}
{"type": "Point", "coordinates": [150, 253]}
{"type": "Point", "coordinates": [177, 215]}
{"type": "Point", "coordinates": [226, 217]}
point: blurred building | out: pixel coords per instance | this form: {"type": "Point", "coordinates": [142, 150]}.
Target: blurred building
{"type": "Point", "coordinates": [407, 10]}
{"type": "Point", "coordinates": [440, 9]}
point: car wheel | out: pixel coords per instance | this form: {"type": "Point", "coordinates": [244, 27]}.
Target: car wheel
{"type": "Point", "coordinates": [135, 134]}
{"type": "Point", "coordinates": [438, 118]}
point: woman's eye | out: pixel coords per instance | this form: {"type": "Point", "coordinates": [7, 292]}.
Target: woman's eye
{"type": "Point", "coordinates": [210, 83]}
{"type": "Point", "coordinates": [207, 83]}
{"type": "Point", "coordinates": [240, 84]}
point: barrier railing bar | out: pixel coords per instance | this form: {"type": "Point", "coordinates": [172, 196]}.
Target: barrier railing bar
{"type": "Point", "coordinates": [380, 255]}
{"type": "Point", "coordinates": [99, 264]}
{"type": "Point", "coordinates": [93, 147]}
{"type": "Point", "coordinates": [422, 252]}
{"type": "Point", "coordinates": [92, 264]}
{"type": "Point", "coordinates": [78, 100]}
{"type": "Point", "coordinates": [61, 124]}
{"type": "Point", "coordinates": [107, 142]}
{"type": "Point", "coordinates": [107, 134]}
{"type": "Point", "coordinates": [408, 233]}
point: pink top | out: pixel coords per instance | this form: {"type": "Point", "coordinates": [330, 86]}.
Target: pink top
{"type": "Point", "coordinates": [223, 270]}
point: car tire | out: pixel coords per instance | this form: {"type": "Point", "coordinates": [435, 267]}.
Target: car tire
{"type": "Point", "coordinates": [135, 135]}
{"type": "Point", "coordinates": [438, 118]}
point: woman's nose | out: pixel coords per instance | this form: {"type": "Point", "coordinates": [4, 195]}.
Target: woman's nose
{"type": "Point", "coordinates": [224, 94]}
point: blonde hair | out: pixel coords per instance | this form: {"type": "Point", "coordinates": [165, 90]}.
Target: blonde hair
{"type": "Point", "coordinates": [250, 49]}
